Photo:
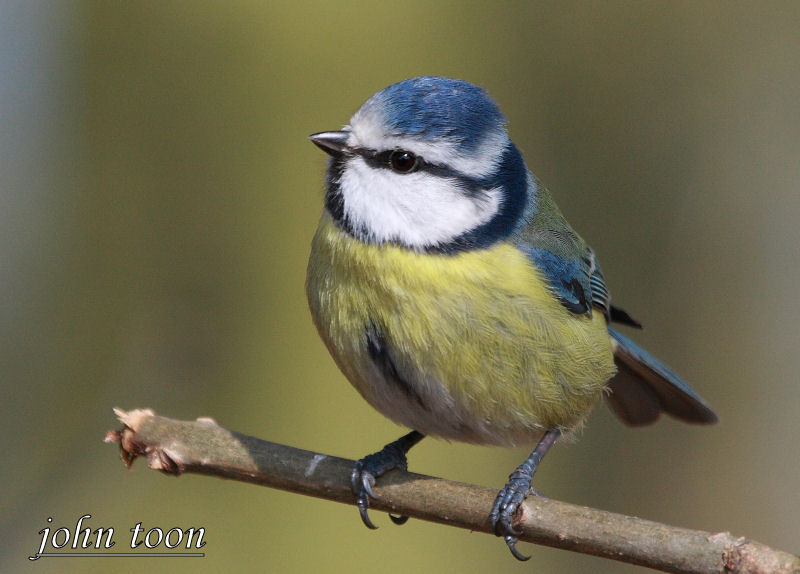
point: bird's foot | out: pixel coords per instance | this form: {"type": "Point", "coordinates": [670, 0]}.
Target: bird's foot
{"type": "Point", "coordinates": [506, 506]}
{"type": "Point", "coordinates": [514, 493]}
{"type": "Point", "coordinates": [375, 465]}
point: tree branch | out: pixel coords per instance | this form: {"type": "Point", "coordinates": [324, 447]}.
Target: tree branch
{"type": "Point", "coordinates": [204, 447]}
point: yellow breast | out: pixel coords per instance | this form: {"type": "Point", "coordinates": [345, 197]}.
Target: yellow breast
{"type": "Point", "coordinates": [487, 352]}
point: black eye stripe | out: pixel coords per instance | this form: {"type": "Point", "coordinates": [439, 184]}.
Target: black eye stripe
{"type": "Point", "coordinates": [382, 159]}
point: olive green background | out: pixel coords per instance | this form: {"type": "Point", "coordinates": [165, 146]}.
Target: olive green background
{"type": "Point", "coordinates": [159, 196]}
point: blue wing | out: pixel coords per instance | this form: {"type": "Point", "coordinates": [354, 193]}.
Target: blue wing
{"type": "Point", "coordinates": [643, 387]}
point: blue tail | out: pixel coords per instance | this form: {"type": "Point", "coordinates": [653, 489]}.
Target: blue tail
{"type": "Point", "coordinates": [644, 387]}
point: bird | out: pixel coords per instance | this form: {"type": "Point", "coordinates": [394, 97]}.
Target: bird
{"type": "Point", "coordinates": [454, 296]}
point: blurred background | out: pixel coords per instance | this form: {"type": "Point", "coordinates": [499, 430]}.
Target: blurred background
{"type": "Point", "coordinates": [158, 197]}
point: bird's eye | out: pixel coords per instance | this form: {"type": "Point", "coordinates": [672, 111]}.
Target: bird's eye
{"type": "Point", "coordinates": [403, 161]}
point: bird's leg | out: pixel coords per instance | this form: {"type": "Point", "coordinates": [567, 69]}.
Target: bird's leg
{"type": "Point", "coordinates": [516, 490]}
{"type": "Point", "coordinates": [366, 470]}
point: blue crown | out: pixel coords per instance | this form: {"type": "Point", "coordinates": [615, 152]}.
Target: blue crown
{"type": "Point", "coordinates": [432, 108]}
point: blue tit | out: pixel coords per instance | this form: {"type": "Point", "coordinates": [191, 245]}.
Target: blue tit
{"type": "Point", "coordinates": [455, 297]}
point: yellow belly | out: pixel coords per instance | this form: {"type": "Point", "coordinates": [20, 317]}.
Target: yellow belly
{"type": "Point", "coordinates": [490, 354]}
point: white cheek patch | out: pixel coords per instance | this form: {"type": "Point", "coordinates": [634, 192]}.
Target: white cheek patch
{"type": "Point", "coordinates": [417, 209]}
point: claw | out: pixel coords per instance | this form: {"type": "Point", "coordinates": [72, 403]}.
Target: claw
{"type": "Point", "coordinates": [399, 520]}
{"type": "Point", "coordinates": [363, 504]}
{"type": "Point", "coordinates": [511, 542]}
{"type": "Point", "coordinates": [361, 482]}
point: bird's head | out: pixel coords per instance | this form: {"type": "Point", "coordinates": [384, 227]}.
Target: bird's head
{"type": "Point", "coordinates": [427, 164]}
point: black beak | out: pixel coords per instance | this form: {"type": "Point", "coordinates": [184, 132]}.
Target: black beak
{"type": "Point", "coordinates": [332, 143]}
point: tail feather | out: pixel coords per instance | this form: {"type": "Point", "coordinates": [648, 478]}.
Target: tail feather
{"type": "Point", "coordinates": [644, 387]}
